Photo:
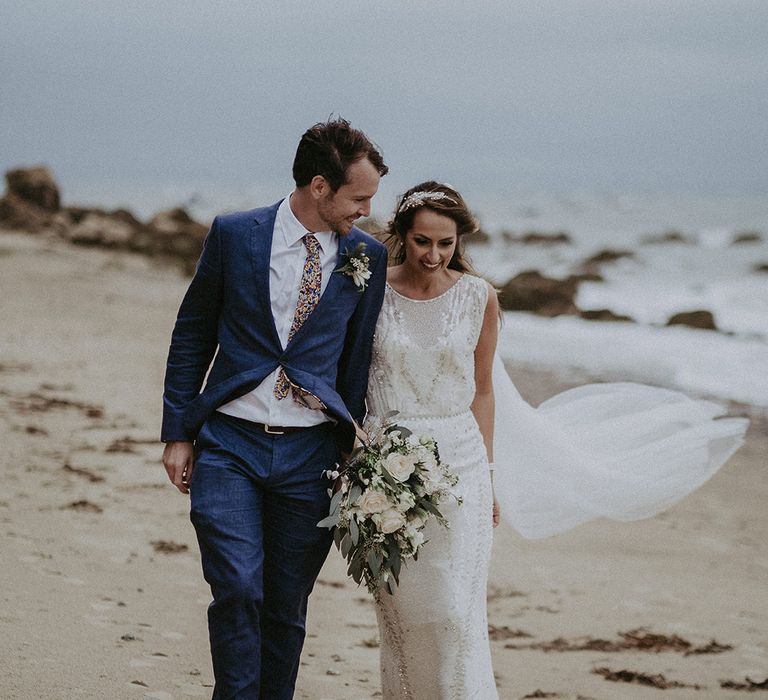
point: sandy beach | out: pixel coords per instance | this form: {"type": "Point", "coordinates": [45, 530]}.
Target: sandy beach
{"type": "Point", "coordinates": [101, 594]}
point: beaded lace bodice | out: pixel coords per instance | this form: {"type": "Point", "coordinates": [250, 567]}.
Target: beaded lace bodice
{"type": "Point", "coordinates": [434, 638]}
{"type": "Point", "coordinates": [423, 351]}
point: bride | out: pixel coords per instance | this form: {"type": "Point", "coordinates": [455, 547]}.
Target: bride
{"type": "Point", "coordinates": [624, 451]}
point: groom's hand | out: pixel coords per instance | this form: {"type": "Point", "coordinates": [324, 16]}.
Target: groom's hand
{"type": "Point", "coordinates": [178, 460]}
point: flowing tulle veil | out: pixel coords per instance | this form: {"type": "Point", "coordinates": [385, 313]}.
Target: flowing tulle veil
{"type": "Point", "coordinates": [617, 450]}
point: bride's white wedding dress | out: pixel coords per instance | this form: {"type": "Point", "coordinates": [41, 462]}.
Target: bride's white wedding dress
{"type": "Point", "coordinates": [623, 451]}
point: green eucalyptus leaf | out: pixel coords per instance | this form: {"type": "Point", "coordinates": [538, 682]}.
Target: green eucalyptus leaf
{"type": "Point", "coordinates": [355, 570]}
{"type": "Point", "coordinates": [354, 531]}
{"type": "Point", "coordinates": [389, 478]}
{"type": "Point", "coordinates": [354, 493]}
{"type": "Point", "coordinates": [375, 560]}
{"type": "Point", "coordinates": [427, 505]}
{"type": "Point", "coordinates": [346, 545]}
{"type": "Point", "coordinates": [336, 501]}
{"type": "Point", "coordinates": [330, 521]}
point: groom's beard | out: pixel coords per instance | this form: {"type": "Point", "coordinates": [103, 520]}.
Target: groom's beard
{"type": "Point", "coordinates": [333, 220]}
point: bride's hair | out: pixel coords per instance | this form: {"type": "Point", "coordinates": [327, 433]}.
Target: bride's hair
{"type": "Point", "coordinates": [441, 199]}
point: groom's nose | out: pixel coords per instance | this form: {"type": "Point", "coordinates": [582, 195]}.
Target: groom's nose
{"type": "Point", "coordinates": [364, 209]}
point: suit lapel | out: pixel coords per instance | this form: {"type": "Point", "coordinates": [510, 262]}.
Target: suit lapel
{"type": "Point", "coordinates": [261, 248]}
{"type": "Point", "coordinates": [334, 286]}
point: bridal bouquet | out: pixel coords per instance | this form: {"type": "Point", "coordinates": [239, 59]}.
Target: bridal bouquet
{"type": "Point", "coordinates": [385, 494]}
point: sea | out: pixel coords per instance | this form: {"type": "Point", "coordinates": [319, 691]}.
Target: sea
{"type": "Point", "coordinates": [686, 253]}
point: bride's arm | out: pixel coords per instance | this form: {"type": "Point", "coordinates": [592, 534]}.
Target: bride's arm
{"type": "Point", "coordinates": [483, 403]}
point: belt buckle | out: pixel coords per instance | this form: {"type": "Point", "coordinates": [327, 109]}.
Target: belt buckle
{"type": "Point", "coordinates": [273, 432]}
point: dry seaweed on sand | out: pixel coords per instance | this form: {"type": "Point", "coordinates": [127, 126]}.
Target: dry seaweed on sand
{"type": "Point", "coordinates": [84, 473]}
{"type": "Point", "coordinates": [656, 680]}
{"type": "Point", "coordinates": [39, 403]}
{"type": "Point", "coordinates": [748, 685]}
{"type": "Point", "coordinates": [84, 506]}
{"type": "Point", "coordinates": [500, 633]}
{"type": "Point", "coordinates": [635, 640]}
{"type": "Point", "coordinates": [168, 547]}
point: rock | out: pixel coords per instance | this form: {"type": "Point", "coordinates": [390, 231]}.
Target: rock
{"type": "Point", "coordinates": [532, 291]}
{"type": "Point", "coordinates": [34, 186]}
{"type": "Point", "coordinates": [695, 319]}
{"type": "Point", "coordinates": [98, 228]}
{"type": "Point", "coordinates": [479, 237]}
{"type": "Point", "coordinates": [537, 238]}
{"type": "Point", "coordinates": [587, 277]}
{"type": "Point", "coordinates": [604, 315]}
{"type": "Point", "coordinates": [668, 237]}
{"type": "Point", "coordinates": [171, 220]}
{"type": "Point", "coordinates": [16, 214]}
{"type": "Point", "coordinates": [747, 237]}
{"type": "Point", "coordinates": [761, 267]}
{"type": "Point", "coordinates": [608, 255]}
{"type": "Point", "coordinates": [174, 232]}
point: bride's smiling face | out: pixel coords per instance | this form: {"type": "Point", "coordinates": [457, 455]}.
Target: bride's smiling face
{"type": "Point", "coordinates": [430, 243]}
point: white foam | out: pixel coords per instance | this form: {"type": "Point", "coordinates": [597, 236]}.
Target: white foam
{"type": "Point", "coordinates": [703, 363]}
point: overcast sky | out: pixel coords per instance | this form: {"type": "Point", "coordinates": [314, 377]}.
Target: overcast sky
{"type": "Point", "coordinates": [612, 95]}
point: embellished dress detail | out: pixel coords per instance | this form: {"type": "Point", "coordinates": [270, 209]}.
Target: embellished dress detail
{"type": "Point", "coordinates": [622, 451]}
{"type": "Point", "coordinates": [434, 631]}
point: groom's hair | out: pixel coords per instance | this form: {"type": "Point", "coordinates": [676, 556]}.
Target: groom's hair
{"type": "Point", "coordinates": [329, 148]}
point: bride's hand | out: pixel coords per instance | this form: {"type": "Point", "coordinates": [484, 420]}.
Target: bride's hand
{"type": "Point", "coordinates": [496, 512]}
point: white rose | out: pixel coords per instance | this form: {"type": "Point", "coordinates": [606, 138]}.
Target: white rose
{"type": "Point", "coordinates": [428, 461]}
{"type": "Point", "coordinates": [415, 536]}
{"type": "Point", "coordinates": [406, 501]}
{"type": "Point", "coordinates": [390, 521]}
{"type": "Point", "coordinates": [372, 502]}
{"type": "Point", "coordinates": [399, 466]}
{"type": "Point", "coordinates": [433, 483]}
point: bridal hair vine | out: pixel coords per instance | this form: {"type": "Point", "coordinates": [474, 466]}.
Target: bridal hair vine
{"type": "Point", "coordinates": [416, 199]}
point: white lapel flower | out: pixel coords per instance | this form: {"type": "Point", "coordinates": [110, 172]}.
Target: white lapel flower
{"type": "Point", "coordinates": [357, 266]}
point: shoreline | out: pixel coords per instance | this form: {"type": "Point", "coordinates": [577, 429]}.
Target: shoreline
{"type": "Point", "coordinates": [102, 590]}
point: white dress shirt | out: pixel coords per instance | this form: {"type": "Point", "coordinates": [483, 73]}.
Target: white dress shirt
{"type": "Point", "coordinates": [286, 264]}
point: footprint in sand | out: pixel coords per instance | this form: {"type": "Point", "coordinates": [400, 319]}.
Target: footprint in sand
{"type": "Point", "coordinates": [174, 636]}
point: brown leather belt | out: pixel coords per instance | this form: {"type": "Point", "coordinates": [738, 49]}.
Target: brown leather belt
{"type": "Point", "coordinates": [279, 429]}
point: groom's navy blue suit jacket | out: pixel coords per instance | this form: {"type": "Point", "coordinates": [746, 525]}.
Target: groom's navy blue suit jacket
{"type": "Point", "coordinates": [227, 312]}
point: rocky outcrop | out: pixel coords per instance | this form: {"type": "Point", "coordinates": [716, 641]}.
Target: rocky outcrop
{"type": "Point", "coordinates": [668, 237]}
{"type": "Point", "coordinates": [607, 255]}
{"type": "Point", "coordinates": [694, 319]}
{"type": "Point", "coordinates": [16, 214]}
{"type": "Point", "coordinates": [35, 186]}
{"type": "Point", "coordinates": [94, 227]}
{"type": "Point", "coordinates": [32, 203]}
{"type": "Point", "coordinates": [532, 291]}
{"type": "Point", "coordinates": [604, 315]}
{"type": "Point", "coordinates": [747, 237]}
{"type": "Point", "coordinates": [31, 199]}
{"type": "Point", "coordinates": [537, 238]}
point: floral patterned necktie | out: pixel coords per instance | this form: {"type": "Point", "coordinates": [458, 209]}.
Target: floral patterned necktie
{"type": "Point", "coordinates": [309, 295]}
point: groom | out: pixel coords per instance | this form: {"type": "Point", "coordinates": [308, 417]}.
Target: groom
{"type": "Point", "coordinates": [291, 329]}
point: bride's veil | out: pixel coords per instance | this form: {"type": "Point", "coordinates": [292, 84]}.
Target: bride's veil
{"type": "Point", "coordinates": [617, 450]}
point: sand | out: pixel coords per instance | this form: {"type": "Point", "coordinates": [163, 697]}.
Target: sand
{"type": "Point", "coordinates": [101, 594]}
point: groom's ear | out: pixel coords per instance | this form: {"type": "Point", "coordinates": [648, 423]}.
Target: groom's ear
{"type": "Point", "coordinates": [319, 187]}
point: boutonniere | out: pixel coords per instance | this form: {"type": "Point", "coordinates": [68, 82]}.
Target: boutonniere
{"type": "Point", "coordinates": [357, 266]}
